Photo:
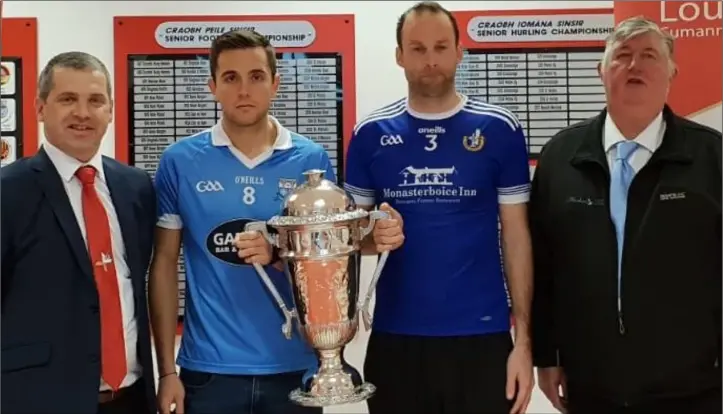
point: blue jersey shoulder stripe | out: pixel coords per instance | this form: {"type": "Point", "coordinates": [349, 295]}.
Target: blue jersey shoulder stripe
{"type": "Point", "coordinates": [480, 105]}
{"type": "Point", "coordinates": [486, 112]}
{"type": "Point", "coordinates": [483, 104]}
{"type": "Point", "coordinates": [386, 107]}
{"type": "Point", "coordinates": [495, 111]}
{"type": "Point", "coordinates": [387, 112]}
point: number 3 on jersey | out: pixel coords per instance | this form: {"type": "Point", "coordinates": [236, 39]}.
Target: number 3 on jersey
{"type": "Point", "coordinates": [249, 195]}
{"type": "Point", "coordinates": [432, 144]}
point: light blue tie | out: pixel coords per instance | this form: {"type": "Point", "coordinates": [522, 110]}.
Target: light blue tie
{"type": "Point", "coordinates": [621, 176]}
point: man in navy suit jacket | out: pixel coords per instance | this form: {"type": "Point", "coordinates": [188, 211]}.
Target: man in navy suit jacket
{"type": "Point", "coordinates": [52, 295]}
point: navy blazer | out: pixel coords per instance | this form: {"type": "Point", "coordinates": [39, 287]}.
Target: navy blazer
{"type": "Point", "coordinates": [50, 311]}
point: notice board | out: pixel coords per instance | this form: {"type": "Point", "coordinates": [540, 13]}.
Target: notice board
{"type": "Point", "coordinates": [539, 64]}
{"type": "Point", "coordinates": [162, 72]}
{"type": "Point", "coordinates": [18, 72]}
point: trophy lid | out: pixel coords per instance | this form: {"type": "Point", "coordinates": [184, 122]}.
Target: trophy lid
{"type": "Point", "coordinates": [317, 201]}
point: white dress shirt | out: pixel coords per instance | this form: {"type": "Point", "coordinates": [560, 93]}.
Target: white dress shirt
{"type": "Point", "coordinates": [67, 167]}
{"type": "Point", "coordinates": [649, 140]}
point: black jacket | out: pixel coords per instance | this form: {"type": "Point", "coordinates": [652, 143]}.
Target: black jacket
{"type": "Point", "coordinates": [666, 340]}
{"type": "Point", "coordinates": [51, 324]}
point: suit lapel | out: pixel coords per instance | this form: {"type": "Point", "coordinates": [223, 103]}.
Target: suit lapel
{"type": "Point", "coordinates": [123, 197]}
{"type": "Point", "coordinates": [54, 190]}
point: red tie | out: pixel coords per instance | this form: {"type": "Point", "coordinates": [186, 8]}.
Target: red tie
{"type": "Point", "coordinates": [113, 350]}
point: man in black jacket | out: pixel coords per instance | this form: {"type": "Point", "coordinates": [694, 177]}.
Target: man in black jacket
{"type": "Point", "coordinates": [627, 241]}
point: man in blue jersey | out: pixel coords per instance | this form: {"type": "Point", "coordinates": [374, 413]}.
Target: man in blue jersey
{"type": "Point", "coordinates": [233, 355]}
{"type": "Point", "coordinates": [451, 165]}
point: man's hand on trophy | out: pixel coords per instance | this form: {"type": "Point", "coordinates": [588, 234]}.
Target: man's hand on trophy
{"type": "Point", "coordinates": [388, 233]}
{"type": "Point", "coordinates": [253, 248]}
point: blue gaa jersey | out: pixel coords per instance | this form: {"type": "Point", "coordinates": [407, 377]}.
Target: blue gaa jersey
{"type": "Point", "coordinates": [208, 188]}
{"type": "Point", "coordinates": [446, 174]}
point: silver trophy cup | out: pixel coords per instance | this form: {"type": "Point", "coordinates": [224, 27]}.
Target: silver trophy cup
{"type": "Point", "coordinates": [319, 239]}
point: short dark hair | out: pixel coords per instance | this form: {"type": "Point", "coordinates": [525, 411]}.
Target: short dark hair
{"type": "Point", "coordinates": [70, 60]}
{"type": "Point", "coordinates": [429, 7]}
{"type": "Point", "coordinates": [241, 39]}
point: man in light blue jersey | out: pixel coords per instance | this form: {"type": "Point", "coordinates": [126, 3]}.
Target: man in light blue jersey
{"type": "Point", "coordinates": [451, 165]}
{"type": "Point", "coordinates": [233, 357]}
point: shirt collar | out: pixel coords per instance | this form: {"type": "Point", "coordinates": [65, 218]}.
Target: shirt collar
{"type": "Point", "coordinates": [67, 165]}
{"type": "Point", "coordinates": [219, 138]}
{"type": "Point", "coordinates": [650, 138]}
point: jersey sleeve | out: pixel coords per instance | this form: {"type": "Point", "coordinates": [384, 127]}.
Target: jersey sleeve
{"type": "Point", "coordinates": [513, 186]}
{"type": "Point", "coordinates": [358, 179]}
{"type": "Point", "coordinates": [166, 182]}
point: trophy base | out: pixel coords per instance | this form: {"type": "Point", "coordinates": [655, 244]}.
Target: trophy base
{"type": "Point", "coordinates": [306, 399]}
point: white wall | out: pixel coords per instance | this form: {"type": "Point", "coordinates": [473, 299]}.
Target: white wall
{"type": "Point", "coordinates": [87, 26]}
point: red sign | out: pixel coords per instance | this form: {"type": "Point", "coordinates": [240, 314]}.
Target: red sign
{"type": "Point", "coordinates": [316, 57]}
{"type": "Point", "coordinates": [18, 79]}
{"type": "Point", "coordinates": [696, 27]}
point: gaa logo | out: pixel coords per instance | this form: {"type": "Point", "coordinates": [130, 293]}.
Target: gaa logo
{"type": "Point", "coordinates": [387, 140]}
{"type": "Point", "coordinates": [208, 186]}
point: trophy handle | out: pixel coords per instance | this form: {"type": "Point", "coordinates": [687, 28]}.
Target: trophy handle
{"type": "Point", "coordinates": [374, 215]}
{"type": "Point", "coordinates": [364, 307]}
{"type": "Point", "coordinates": [289, 314]}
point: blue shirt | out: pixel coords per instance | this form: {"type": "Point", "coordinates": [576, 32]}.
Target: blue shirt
{"type": "Point", "coordinates": [211, 190]}
{"type": "Point", "coordinates": [446, 174]}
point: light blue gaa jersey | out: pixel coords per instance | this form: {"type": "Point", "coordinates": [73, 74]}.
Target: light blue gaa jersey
{"type": "Point", "coordinates": [447, 175]}
{"type": "Point", "coordinates": [211, 190]}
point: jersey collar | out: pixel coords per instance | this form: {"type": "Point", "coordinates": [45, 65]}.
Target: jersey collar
{"type": "Point", "coordinates": [219, 138]}
{"type": "Point", "coordinates": [441, 115]}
